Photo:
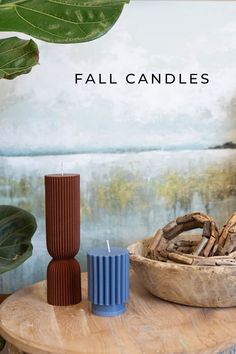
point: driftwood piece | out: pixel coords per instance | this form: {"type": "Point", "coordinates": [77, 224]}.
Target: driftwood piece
{"type": "Point", "coordinates": [210, 228]}
{"type": "Point", "coordinates": [215, 234]}
{"type": "Point", "coordinates": [206, 229]}
{"type": "Point", "coordinates": [191, 225]}
{"type": "Point", "coordinates": [186, 249]}
{"type": "Point", "coordinates": [170, 226]}
{"type": "Point", "coordinates": [155, 241]}
{"type": "Point", "coordinates": [201, 218]}
{"type": "Point", "coordinates": [196, 216]}
{"type": "Point", "coordinates": [215, 249]}
{"type": "Point", "coordinates": [230, 243]}
{"type": "Point", "coordinates": [209, 246]}
{"type": "Point", "coordinates": [180, 258]}
{"type": "Point", "coordinates": [162, 244]}
{"type": "Point", "coordinates": [226, 228]}
{"type": "Point", "coordinates": [214, 230]}
{"type": "Point", "coordinates": [186, 243]}
{"type": "Point", "coordinates": [175, 231]}
{"type": "Point", "coordinates": [171, 247]}
{"type": "Point", "coordinates": [201, 246]}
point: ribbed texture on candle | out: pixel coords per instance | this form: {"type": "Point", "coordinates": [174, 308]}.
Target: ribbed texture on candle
{"type": "Point", "coordinates": [63, 282]}
{"type": "Point", "coordinates": [108, 279]}
{"type": "Point", "coordinates": [62, 196]}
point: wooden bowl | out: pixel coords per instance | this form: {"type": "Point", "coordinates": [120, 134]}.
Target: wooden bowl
{"type": "Point", "coordinates": [203, 286]}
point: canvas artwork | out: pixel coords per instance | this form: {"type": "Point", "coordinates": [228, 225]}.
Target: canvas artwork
{"type": "Point", "coordinates": [147, 150]}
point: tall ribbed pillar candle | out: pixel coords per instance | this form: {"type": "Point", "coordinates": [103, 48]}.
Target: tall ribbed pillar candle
{"type": "Point", "coordinates": [108, 280]}
{"type": "Point", "coordinates": [62, 203]}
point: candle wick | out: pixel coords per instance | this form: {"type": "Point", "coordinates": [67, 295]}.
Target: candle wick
{"type": "Point", "coordinates": [108, 246]}
{"type": "Point", "coordinates": [62, 168]}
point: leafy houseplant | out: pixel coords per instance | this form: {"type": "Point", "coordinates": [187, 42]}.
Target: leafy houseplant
{"type": "Point", "coordinates": [60, 21]}
{"type": "Point", "coordinates": [17, 227]}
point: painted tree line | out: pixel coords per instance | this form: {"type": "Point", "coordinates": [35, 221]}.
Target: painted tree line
{"type": "Point", "coordinates": [122, 192]}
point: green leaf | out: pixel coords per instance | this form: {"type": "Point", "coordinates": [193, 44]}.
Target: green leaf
{"type": "Point", "coordinates": [60, 21]}
{"type": "Point", "coordinates": [2, 343]}
{"type": "Point", "coordinates": [17, 57]}
{"type": "Point", "coordinates": [17, 227]}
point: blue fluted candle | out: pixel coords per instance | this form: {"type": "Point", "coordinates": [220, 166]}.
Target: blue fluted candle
{"type": "Point", "coordinates": [108, 280]}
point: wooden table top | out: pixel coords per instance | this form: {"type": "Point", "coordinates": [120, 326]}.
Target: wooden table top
{"type": "Point", "coordinates": [149, 325]}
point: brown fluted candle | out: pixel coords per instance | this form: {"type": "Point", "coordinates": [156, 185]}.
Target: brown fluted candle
{"type": "Point", "coordinates": [62, 196]}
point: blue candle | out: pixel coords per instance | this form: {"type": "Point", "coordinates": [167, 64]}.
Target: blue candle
{"type": "Point", "coordinates": [108, 280]}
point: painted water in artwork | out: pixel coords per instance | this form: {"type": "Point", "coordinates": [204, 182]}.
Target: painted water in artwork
{"type": "Point", "coordinates": [142, 151]}
{"type": "Point", "coordinates": [124, 197]}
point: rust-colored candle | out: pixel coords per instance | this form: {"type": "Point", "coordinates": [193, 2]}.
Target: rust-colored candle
{"type": "Point", "coordinates": [62, 197]}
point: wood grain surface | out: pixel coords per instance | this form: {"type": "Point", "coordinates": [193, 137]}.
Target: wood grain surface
{"type": "Point", "coordinates": [149, 325]}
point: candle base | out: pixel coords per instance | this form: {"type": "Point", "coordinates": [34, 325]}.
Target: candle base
{"type": "Point", "coordinates": [108, 311]}
{"type": "Point", "coordinates": [63, 282]}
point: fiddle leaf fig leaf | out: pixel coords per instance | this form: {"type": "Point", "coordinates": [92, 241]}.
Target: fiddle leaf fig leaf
{"type": "Point", "coordinates": [17, 227]}
{"type": "Point", "coordinates": [60, 21]}
{"type": "Point", "coordinates": [2, 343]}
{"type": "Point", "coordinates": [17, 57]}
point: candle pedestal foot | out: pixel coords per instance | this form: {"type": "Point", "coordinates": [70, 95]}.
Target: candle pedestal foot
{"type": "Point", "coordinates": [63, 282]}
{"type": "Point", "coordinates": [108, 311]}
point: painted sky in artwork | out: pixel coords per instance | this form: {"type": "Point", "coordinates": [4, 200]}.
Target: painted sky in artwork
{"type": "Point", "coordinates": [46, 112]}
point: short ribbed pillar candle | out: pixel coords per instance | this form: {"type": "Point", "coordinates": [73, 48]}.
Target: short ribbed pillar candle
{"type": "Point", "coordinates": [108, 280]}
{"type": "Point", "coordinates": [62, 204]}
